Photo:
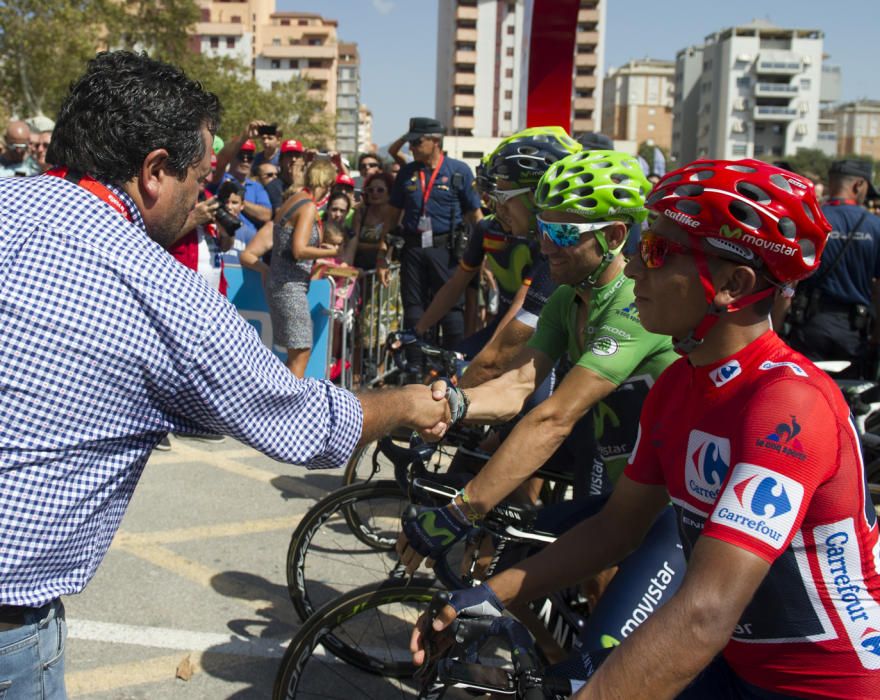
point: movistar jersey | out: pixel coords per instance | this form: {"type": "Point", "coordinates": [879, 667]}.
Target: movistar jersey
{"type": "Point", "coordinates": [759, 451]}
{"type": "Point", "coordinates": [617, 348]}
{"type": "Point", "coordinates": [514, 262]}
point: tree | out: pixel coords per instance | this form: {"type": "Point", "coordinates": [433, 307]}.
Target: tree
{"type": "Point", "coordinates": [45, 45]}
{"type": "Point", "coordinates": [646, 151]}
{"type": "Point", "coordinates": [810, 162]}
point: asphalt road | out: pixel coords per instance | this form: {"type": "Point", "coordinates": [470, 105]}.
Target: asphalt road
{"type": "Point", "coordinates": [195, 579]}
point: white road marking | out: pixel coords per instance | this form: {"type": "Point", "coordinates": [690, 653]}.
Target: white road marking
{"type": "Point", "coordinates": [166, 638]}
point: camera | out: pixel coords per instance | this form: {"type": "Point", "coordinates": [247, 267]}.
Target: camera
{"type": "Point", "coordinates": [267, 130]}
{"type": "Point", "coordinates": [227, 220]}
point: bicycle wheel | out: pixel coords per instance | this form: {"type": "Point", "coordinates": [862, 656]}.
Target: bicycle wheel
{"type": "Point", "coordinates": [327, 556]}
{"type": "Point", "coordinates": [369, 628]}
{"type": "Point", "coordinates": [368, 463]}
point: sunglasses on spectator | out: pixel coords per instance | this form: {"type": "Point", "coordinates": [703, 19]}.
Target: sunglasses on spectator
{"type": "Point", "coordinates": [19, 146]}
{"type": "Point", "coordinates": [567, 235]}
{"type": "Point", "coordinates": [377, 190]}
{"type": "Point", "coordinates": [504, 196]}
{"type": "Point", "coordinates": [269, 175]}
{"type": "Point", "coordinates": [654, 249]}
{"type": "Point", "coordinates": [416, 141]}
{"type": "Point", "coordinates": [370, 165]}
{"type": "Point", "coordinates": [246, 156]}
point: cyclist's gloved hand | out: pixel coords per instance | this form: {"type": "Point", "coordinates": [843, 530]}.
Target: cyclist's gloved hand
{"type": "Point", "coordinates": [431, 531]}
{"type": "Point", "coordinates": [476, 602]}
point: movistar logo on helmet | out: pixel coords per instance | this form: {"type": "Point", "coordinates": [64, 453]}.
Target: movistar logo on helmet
{"type": "Point", "coordinates": [681, 218]}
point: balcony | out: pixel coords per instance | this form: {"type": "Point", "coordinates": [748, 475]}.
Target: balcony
{"type": "Point", "coordinates": [591, 38]}
{"type": "Point", "coordinates": [323, 74]}
{"type": "Point", "coordinates": [462, 122]}
{"type": "Point", "coordinates": [465, 78]}
{"type": "Point", "coordinates": [299, 51]}
{"type": "Point", "coordinates": [584, 81]}
{"type": "Point", "coordinates": [462, 34]}
{"type": "Point", "coordinates": [774, 65]}
{"type": "Point", "coordinates": [466, 12]}
{"type": "Point", "coordinates": [776, 90]}
{"type": "Point", "coordinates": [219, 29]}
{"type": "Point", "coordinates": [583, 103]}
{"type": "Point", "coordinates": [775, 114]}
{"type": "Point", "coordinates": [464, 101]}
{"type": "Point", "coordinates": [466, 57]}
{"type": "Point", "coordinates": [588, 15]}
{"type": "Point", "coordinates": [585, 59]}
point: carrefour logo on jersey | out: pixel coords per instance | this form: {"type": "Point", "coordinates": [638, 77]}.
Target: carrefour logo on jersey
{"type": "Point", "coordinates": [707, 461]}
{"type": "Point", "coordinates": [723, 374]}
{"type": "Point", "coordinates": [840, 560]}
{"type": "Point", "coordinates": [761, 503]}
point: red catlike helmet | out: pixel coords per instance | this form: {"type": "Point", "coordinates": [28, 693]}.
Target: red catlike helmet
{"type": "Point", "coordinates": [749, 208]}
{"type": "Point", "coordinates": [343, 179]}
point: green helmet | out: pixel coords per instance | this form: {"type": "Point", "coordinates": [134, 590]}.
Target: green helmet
{"type": "Point", "coordinates": [523, 158]}
{"type": "Point", "coordinates": [597, 185]}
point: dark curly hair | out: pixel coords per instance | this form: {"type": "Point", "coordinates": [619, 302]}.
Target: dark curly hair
{"type": "Point", "coordinates": [125, 106]}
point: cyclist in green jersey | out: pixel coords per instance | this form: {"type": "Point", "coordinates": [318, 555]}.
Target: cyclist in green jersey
{"type": "Point", "coordinates": [507, 241]}
{"type": "Point", "coordinates": [586, 202]}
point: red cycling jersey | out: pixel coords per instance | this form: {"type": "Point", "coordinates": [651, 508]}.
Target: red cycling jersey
{"type": "Point", "coordinates": [759, 451]}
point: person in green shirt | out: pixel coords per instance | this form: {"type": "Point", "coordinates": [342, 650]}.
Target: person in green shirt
{"type": "Point", "coordinates": [586, 202]}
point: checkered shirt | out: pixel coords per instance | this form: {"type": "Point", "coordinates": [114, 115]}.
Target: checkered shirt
{"type": "Point", "coordinates": [108, 344]}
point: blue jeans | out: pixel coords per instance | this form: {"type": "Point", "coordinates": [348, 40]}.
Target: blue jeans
{"type": "Point", "coordinates": [32, 655]}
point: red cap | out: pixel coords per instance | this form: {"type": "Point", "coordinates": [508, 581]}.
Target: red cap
{"type": "Point", "coordinates": [248, 146]}
{"type": "Point", "coordinates": [213, 160]}
{"type": "Point", "coordinates": [292, 146]}
{"type": "Point", "coordinates": [343, 179]}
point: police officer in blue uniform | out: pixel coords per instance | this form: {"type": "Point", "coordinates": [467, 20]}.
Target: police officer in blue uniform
{"type": "Point", "coordinates": [435, 195]}
{"type": "Point", "coordinates": [834, 312]}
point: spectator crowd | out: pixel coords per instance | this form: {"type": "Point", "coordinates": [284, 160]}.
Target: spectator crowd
{"type": "Point", "coordinates": [294, 214]}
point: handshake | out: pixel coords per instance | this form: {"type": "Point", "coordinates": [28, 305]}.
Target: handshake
{"type": "Point", "coordinates": [435, 409]}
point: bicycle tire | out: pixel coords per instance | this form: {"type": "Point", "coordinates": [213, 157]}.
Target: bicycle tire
{"type": "Point", "coordinates": [325, 628]}
{"type": "Point", "coordinates": [342, 552]}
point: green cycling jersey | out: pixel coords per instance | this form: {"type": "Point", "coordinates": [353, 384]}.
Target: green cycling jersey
{"type": "Point", "coordinates": [617, 348]}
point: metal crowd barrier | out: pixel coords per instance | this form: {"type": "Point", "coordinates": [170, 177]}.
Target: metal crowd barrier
{"type": "Point", "coordinates": [380, 313]}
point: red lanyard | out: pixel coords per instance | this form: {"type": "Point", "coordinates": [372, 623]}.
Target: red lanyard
{"type": "Point", "coordinates": [839, 202]}
{"type": "Point", "coordinates": [426, 193]}
{"type": "Point", "coordinates": [96, 188]}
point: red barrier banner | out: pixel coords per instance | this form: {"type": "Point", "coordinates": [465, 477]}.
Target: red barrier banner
{"type": "Point", "coordinates": [551, 62]}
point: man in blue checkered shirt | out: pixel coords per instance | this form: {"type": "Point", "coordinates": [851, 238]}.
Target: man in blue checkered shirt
{"type": "Point", "coordinates": [109, 343]}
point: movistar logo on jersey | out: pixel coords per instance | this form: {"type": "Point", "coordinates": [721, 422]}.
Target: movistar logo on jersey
{"type": "Point", "coordinates": [784, 440]}
{"type": "Point", "coordinates": [708, 458]}
{"type": "Point", "coordinates": [723, 374]}
{"type": "Point", "coordinates": [768, 365]}
{"type": "Point", "coordinates": [651, 600]}
{"type": "Point", "coordinates": [760, 503]}
{"type": "Point", "coordinates": [840, 561]}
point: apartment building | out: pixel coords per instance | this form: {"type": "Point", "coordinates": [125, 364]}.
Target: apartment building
{"type": "Point", "coordinates": [748, 91]}
{"type": "Point", "coordinates": [348, 100]}
{"type": "Point", "coordinates": [365, 130]}
{"type": "Point", "coordinates": [637, 104]}
{"type": "Point", "coordinates": [277, 46]}
{"type": "Point", "coordinates": [857, 126]}
{"type": "Point", "coordinates": [482, 54]}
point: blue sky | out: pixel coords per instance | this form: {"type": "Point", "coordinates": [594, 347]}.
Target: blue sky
{"type": "Point", "coordinates": [398, 42]}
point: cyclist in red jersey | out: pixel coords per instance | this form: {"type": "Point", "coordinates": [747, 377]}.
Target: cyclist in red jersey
{"type": "Point", "coordinates": [755, 447]}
